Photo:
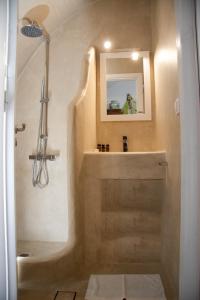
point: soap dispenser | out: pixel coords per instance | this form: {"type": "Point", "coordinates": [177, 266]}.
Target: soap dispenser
{"type": "Point", "coordinates": [125, 144]}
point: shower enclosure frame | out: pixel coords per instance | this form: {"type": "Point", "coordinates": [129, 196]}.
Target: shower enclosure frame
{"type": "Point", "coordinates": [8, 37]}
{"type": "Point", "coordinates": [190, 149]}
{"type": "Point", "coordinates": [188, 44]}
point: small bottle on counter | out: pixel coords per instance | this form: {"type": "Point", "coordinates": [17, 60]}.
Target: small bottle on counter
{"type": "Point", "coordinates": [103, 148]}
{"type": "Point", "coordinates": [99, 147]}
{"type": "Point", "coordinates": [107, 147]}
{"type": "Point", "coordinates": [125, 144]}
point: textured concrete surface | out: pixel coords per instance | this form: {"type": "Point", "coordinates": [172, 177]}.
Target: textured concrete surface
{"type": "Point", "coordinates": [122, 197]}
{"type": "Point", "coordinates": [128, 165]}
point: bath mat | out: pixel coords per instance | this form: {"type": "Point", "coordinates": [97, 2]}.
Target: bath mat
{"type": "Point", "coordinates": [129, 287]}
{"type": "Point", "coordinates": [65, 295]}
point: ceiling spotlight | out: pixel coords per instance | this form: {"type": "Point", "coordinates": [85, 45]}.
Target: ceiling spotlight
{"type": "Point", "coordinates": [107, 44]}
{"type": "Point", "coordinates": [135, 55]}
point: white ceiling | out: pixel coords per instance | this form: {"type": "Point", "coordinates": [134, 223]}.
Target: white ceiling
{"type": "Point", "coordinates": [52, 13]}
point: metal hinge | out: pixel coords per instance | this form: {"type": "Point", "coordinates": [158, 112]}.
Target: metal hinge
{"type": "Point", "coordinates": [5, 99]}
{"type": "Point", "coordinates": [6, 88]}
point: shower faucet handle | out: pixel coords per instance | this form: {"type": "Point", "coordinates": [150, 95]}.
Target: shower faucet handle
{"type": "Point", "coordinates": [20, 129]}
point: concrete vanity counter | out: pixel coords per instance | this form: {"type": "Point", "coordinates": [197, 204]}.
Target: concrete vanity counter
{"type": "Point", "coordinates": [124, 165]}
{"type": "Point", "coordinates": [122, 194]}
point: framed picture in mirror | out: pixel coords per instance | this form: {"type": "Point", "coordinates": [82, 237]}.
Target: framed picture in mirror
{"type": "Point", "coordinates": [125, 87]}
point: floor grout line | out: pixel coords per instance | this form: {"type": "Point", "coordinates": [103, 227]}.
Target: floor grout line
{"type": "Point", "coordinates": [67, 292]}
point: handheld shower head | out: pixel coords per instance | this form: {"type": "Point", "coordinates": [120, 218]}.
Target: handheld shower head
{"type": "Point", "coordinates": [31, 28]}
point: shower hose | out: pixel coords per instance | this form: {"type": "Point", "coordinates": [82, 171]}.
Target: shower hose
{"type": "Point", "coordinates": [40, 176]}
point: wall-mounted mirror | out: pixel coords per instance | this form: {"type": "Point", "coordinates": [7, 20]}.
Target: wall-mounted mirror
{"type": "Point", "coordinates": [125, 86]}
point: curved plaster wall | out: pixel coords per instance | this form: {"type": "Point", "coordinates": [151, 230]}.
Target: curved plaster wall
{"type": "Point", "coordinates": [47, 263]}
{"type": "Point", "coordinates": [43, 214]}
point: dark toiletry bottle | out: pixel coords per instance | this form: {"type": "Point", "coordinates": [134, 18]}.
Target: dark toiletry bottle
{"type": "Point", "coordinates": [125, 144]}
{"type": "Point", "coordinates": [103, 148]}
{"type": "Point", "coordinates": [107, 148]}
{"type": "Point", "coordinates": [99, 147]}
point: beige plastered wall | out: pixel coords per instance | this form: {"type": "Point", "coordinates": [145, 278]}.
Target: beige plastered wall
{"type": "Point", "coordinates": [168, 133]}
{"type": "Point", "coordinates": [135, 33]}
{"type": "Point", "coordinates": [85, 115]}
{"type": "Point", "coordinates": [49, 214]}
{"type": "Point", "coordinates": [46, 268]}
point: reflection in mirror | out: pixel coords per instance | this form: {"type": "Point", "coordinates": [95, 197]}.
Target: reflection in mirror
{"type": "Point", "coordinates": [125, 87]}
{"type": "Point", "coordinates": [124, 93]}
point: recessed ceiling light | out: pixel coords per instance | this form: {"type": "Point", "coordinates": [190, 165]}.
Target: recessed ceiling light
{"type": "Point", "coordinates": [107, 44]}
{"type": "Point", "coordinates": [135, 55]}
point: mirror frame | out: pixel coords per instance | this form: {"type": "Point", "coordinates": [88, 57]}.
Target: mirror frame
{"type": "Point", "coordinates": [145, 114]}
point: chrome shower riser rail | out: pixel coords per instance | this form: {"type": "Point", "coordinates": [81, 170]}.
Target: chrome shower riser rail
{"type": "Point", "coordinates": [40, 172]}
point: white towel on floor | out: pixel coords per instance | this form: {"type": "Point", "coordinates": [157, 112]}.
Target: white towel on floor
{"type": "Point", "coordinates": [130, 287]}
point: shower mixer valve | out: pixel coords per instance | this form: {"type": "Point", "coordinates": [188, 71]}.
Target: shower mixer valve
{"type": "Point", "coordinates": [20, 129]}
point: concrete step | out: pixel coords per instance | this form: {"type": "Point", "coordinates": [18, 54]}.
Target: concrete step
{"type": "Point", "coordinates": [119, 194]}
{"type": "Point", "coordinates": [122, 224]}
{"type": "Point", "coordinates": [142, 248]}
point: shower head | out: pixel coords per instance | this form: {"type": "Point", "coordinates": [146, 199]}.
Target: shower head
{"type": "Point", "coordinates": [31, 28]}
